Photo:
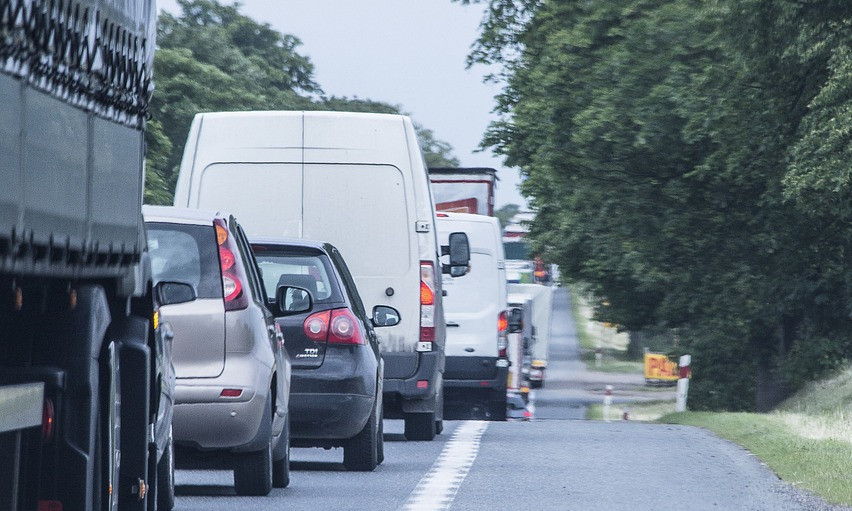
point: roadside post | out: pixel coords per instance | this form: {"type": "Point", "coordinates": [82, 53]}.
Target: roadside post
{"type": "Point", "coordinates": [607, 403]}
{"type": "Point", "coordinates": [683, 383]}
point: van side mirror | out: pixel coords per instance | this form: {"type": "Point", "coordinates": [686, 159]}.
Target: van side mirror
{"type": "Point", "coordinates": [459, 252]}
{"type": "Point", "coordinates": [385, 316]}
{"type": "Point", "coordinates": [172, 293]}
{"type": "Point", "coordinates": [291, 300]}
{"type": "Point", "coordinates": [516, 320]}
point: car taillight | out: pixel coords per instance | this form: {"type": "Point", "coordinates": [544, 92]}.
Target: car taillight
{"type": "Point", "coordinates": [316, 326]}
{"type": "Point", "coordinates": [502, 335]}
{"type": "Point", "coordinates": [337, 326]}
{"type": "Point", "coordinates": [233, 274]}
{"type": "Point", "coordinates": [344, 328]}
{"type": "Point", "coordinates": [48, 421]}
{"type": "Point", "coordinates": [427, 306]}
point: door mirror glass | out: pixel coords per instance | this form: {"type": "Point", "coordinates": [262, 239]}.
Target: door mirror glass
{"type": "Point", "coordinates": [516, 320]}
{"type": "Point", "coordinates": [459, 252]}
{"type": "Point", "coordinates": [291, 300]}
{"type": "Point", "coordinates": [171, 293]}
{"type": "Point", "coordinates": [385, 316]}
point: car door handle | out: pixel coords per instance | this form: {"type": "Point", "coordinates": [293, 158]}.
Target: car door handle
{"type": "Point", "coordinates": [452, 323]}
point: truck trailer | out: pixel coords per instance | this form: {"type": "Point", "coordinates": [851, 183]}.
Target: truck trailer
{"type": "Point", "coordinates": [79, 384]}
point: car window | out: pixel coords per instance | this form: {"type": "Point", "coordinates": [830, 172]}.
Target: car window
{"type": "Point", "coordinates": [305, 271]}
{"type": "Point", "coordinates": [185, 253]}
{"type": "Point", "coordinates": [252, 269]}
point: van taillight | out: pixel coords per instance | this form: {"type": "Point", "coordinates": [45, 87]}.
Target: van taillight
{"type": "Point", "coordinates": [502, 335]}
{"type": "Point", "coordinates": [48, 421]}
{"type": "Point", "coordinates": [338, 326]}
{"type": "Point", "coordinates": [427, 306]}
{"type": "Point", "coordinates": [233, 274]}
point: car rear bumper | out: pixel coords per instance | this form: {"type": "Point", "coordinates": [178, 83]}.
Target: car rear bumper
{"type": "Point", "coordinates": [328, 416]}
{"type": "Point", "coordinates": [333, 401]}
{"type": "Point", "coordinates": [223, 425]}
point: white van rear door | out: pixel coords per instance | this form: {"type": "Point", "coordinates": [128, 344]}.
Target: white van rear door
{"type": "Point", "coordinates": [265, 197]}
{"type": "Point", "coordinates": [365, 212]}
{"type": "Point", "coordinates": [472, 307]}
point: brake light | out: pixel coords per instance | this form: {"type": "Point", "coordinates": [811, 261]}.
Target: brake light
{"type": "Point", "coordinates": [502, 335]}
{"type": "Point", "coordinates": [49, 505]}
{"type": "Point", "coordinates": [337, 326]}
{"type": "Point", "coordinates": [233, 273]}
{"type": "Point", "coordinates": [48, 421]}
{"type": "Point", "coordinates": [231, 393]}
{"type": "Point", "coordinates": [427, 306]}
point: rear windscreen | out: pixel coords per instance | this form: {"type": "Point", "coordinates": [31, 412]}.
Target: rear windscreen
{"type": "Point", "coordinates": [307, 272]}
{"type": "Point", "coordinates": [516, 250]}
{"type": "Point", "coordinates": [185, 253]}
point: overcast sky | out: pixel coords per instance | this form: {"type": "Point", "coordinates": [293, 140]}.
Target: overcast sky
{"type": "Point", "coordinates": [405, 52]}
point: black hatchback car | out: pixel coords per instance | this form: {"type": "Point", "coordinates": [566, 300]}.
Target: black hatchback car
{"type": "Point", "coordinates": [336, 383]}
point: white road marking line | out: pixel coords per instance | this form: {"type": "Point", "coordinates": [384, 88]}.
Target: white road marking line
{"type": "Point", "coordinates": [437, 489]}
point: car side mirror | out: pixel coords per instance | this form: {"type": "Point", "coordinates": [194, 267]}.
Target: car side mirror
{"type": "Point", "coordinates": [516, 320]}
{"type": "Point", "coordinates": [171, 293]}
{"type": "Point", "coordinates": [385, 316]}
{"type": "Point", "coordinates": [291, 300]}
{"type": "Point", "coordinates": [459, 252]}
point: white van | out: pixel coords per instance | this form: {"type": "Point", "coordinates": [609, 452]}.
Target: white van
{"type": "Point", "coordinates": [477, 321]}
{"type": "Point", "coordinates": [359, 182]}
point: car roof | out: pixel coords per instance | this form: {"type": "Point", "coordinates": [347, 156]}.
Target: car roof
{"type": "Point", "coordinates": [171, 214]}
{"type": "Point", "coordinates": [293, 242]}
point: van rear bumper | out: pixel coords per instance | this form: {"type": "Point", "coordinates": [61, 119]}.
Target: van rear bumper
{"type": "Point", "coordinates": [429, 365]}
{"type": "Point", "coordinates": [475, 373]}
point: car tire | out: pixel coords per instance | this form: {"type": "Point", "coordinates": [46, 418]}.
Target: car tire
{"type": "Point", "coordinates": [420, 426]}
{"type": "Point", "coordinates": [497, 406]}
{"type": "Point", "coordinates": [380, 439]}
{"type": "Point", "coordinates": [281, 468]}
{"type": "Point", "coordinates": [253, 472]}
{"type": "Point", "coordinates": [166, 478]}
{"type": "Point", "coordinates": [360, 454]}
{"type": "Point", "coordinates": [439, 427]}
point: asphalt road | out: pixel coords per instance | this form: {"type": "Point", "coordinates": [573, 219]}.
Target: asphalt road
{"type": "Point", "coordinates": [552, 463]}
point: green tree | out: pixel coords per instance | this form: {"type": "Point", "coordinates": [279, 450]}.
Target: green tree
{"type": "Point", "coordinates": [685, 159]}
{"type": "Point", "coordinates": [506, 212]}
{"type": "Point", "coordinates": [211, 57]}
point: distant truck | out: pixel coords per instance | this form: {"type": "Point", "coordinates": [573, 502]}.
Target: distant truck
{"type": "Point", "coordinates": [464, 189]}
{"type": "Point", "coordinates": [79, 393]}
{"type": "Point", "coordinates": [541, 298]}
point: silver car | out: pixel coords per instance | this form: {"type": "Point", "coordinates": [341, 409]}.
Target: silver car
{"type": "Point", "coordinates": [233, 376]}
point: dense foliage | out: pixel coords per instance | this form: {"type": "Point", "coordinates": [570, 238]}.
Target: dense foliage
{"type": "Point", "coordinates": [689, 160]}
{"type": "Point", "coordinates": [213, 58]}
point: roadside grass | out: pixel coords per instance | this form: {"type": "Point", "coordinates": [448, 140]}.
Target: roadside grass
{"type": "Point", "coordinates": [611, 362]}
{"type": "Point", "coordinates": [581, 323]}
{"type": "Point", "coordinates": [646, 411]}
{"type": "Point", "coordinates": [807, 454]}
{"type": "Point", "coordinates": [591, 335]}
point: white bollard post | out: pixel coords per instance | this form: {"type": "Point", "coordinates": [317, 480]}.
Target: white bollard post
{"type": "Point", "coordinates": [683, 383]}
{"type": "Point", "coordinates": [607, 402]}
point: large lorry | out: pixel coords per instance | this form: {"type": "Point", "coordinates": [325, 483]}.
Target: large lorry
{"type": "Point", "coordinates": [464, 189]}
{"type": "Point", "coordinates": [79, 393]}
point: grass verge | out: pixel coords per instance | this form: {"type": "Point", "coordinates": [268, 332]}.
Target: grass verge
{"type": "Point", "coordinates": [646, 411]}
{"type": "Point", "coordinates": [820, 465]}
{"type": "Point", "coordinates": [612, 362]}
